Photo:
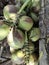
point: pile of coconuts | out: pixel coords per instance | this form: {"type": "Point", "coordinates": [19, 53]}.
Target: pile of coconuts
{"type": "Point", "coordinates": [20, 27]}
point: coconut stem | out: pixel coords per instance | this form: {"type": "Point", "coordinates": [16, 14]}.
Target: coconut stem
{"type": "Point", "coordinates": [23, 6]}
{"type": "Point", "coordinates": [26, 39]}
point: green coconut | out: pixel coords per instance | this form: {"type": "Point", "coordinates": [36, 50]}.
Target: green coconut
{"type": "Point", "coordinates": [36, 5]}
{"type": "Point", "coordinates": [34, 34]}
{"type": "Point", "coordinates": [9, 13]}
{"type": "Point", "coordinates": [25, 23]}
{"type": "Point", "coordinates": [32, 60]}
{"type": "Point", "coordinates": [4, 30]}
{"type": "Point", "coordinates": [18, 57]}
{"type": "Point", "coordinates": [34, 17]}
{"type": "Point", "coordinates": [16, 39]}
{"type": "Point", "coordinates": [35, 2]}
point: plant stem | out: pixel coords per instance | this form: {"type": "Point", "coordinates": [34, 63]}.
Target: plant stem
{"type": "Point", "coordinates": [23, 6]}
{"type": "Point", "coordinates": [26, 39]}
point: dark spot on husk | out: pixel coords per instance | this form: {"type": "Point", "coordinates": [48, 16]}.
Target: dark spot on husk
{"type": "Point", "coordinates": [1, 22]}
{"type": "Point", "coordinates": [28, 19]}
{"type": "Point", "coordinates": [17, 34]}
{"type": "Point", "coordinates": [12, 9]}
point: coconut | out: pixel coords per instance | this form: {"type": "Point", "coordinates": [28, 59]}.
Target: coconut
{"type": "Point", "coordinates": [25, 23]}
{"type": "Point", "coordinates": [34, 17]}
{"type": "Point", "coordinates": [4, 30]}
{"type": "Point", "coordinates": [32, 60]}
{"type": "Point", "coordinates": [34, 34]}
{"type": "Point", "coordinates": [10, 12]}
{"type": "Point", "coordinates": [16, 39]}
{"type": "Point", "coordinates": [18, 57]}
